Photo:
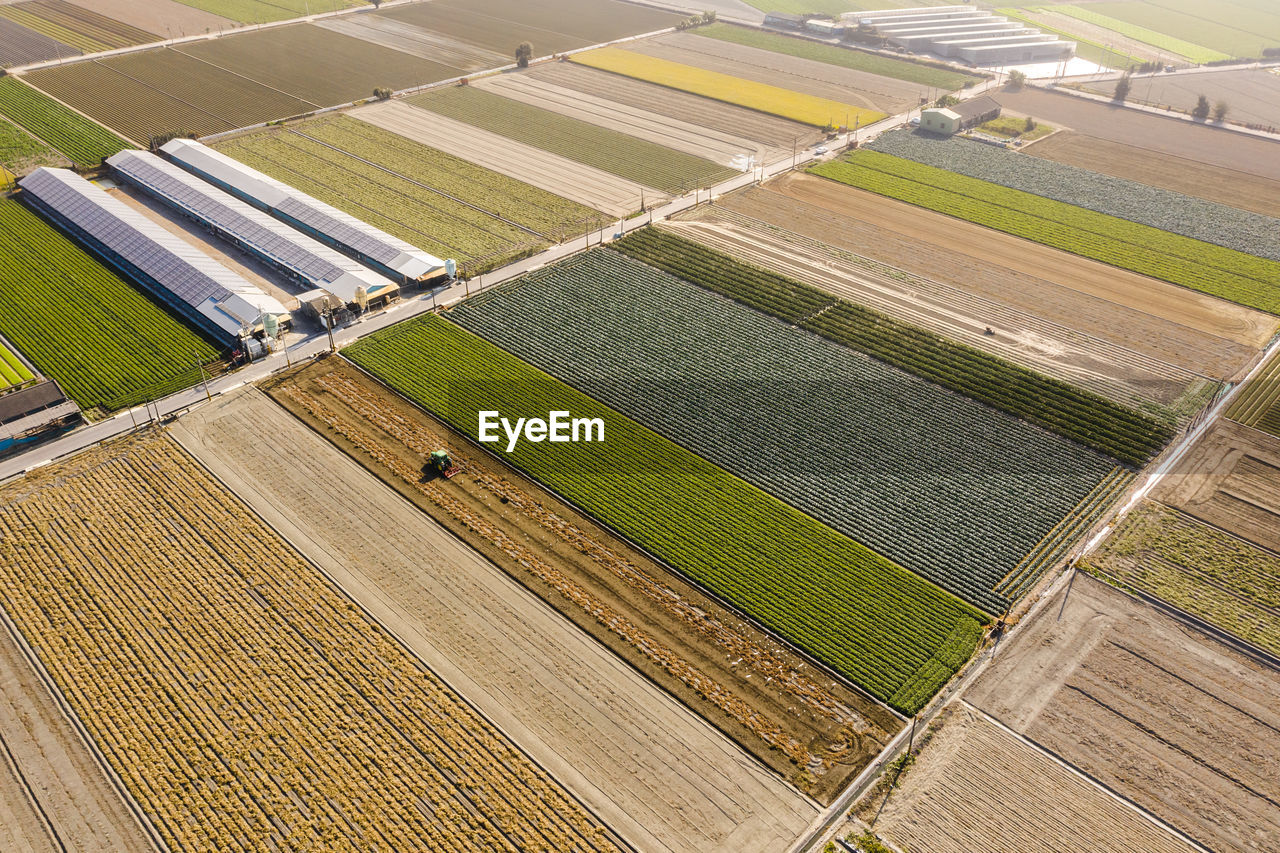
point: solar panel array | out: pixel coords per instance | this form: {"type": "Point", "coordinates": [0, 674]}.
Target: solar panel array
{"type": "Point", "coordinates": [277, 243]}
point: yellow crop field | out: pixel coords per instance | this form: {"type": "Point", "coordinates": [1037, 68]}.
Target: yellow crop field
{"type": "Point", "coordinates": [245, 703]}
{"type": "Point", "coordinates": [807, 109]}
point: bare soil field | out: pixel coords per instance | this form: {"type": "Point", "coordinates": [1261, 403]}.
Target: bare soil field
{"type": "Point", "coordinates": [1230, 479]}
{"type": "Point", "coordinates": [566, 178]}
{"type": "Point", "coordinates": [416, 41]}
{"type": "Point", "coordinates": [1059, 351]}
{"type": "Point", "coordinates": [53, 794]}
{"type": "Point", "coordinates": [975, 786]}
{"type": "Point", "coordinates": [1215, 183]}
{"type": "Point", "coordinates": [771, 131]}
{"type": "Point", "coordinates": [788, 72]}
{"type": "Point", "coordinates": [1212, 146]}
{"type": "Point", "coordinates": [719, 147]}
{"type": "Point", "coordinates": [1253, 94]}
{"type": "Point", "coordinates": [1164, 322]}
{"type": "Point", "coordinates": [659, 776]}
{"type": "Point", "coordinates": [1155, 711]}
{"type": "Point", "coordinates": [166, 18]}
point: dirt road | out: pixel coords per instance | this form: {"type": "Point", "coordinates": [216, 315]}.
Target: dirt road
{"type": "Point", "coordinates": [655, 773]}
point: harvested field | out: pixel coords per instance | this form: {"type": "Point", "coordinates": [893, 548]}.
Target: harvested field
{"type": "Point", "coordinates": [778, 134]}
{"type": "Point", "coordinates": [975, 786]}
{"type": "Point", "coordinates": [1203, 570]}
{"type": "Point", "coordinates": [242, 663]}
{"type": "Point", "coordinates": [608, 193]}
{"type": "Point", "coordinates": [821, 79]}
{"type": "Point", "coordinates": [1231, 479]}
{"type": "Point", "coordinates": [1253, 94]}
{"type": "Point", "coordinates": [21, 46]}
{"type": "Point", "coordinates": [553, 26]}
{"type": "Point", "coordinates": [416, 41]}
{"type": "Point", "coordinates": [168, 19]}
{"type": "Point", "coordinates": [725, 149]}
{"type": "Point", "coordinates": [53, 793]}
{"type": "Point", "coordinates": [629, 751]}
{"type": "Point", "coordinates": [1171, 324]}
{"type": "Point", "coordinates": [77, 26]}
{"type": "Point", "coordinates": [593, 144]}
{"type": "Point", "coordinates": [1158, 134]}
{"type": "Point", "coordinates": [1160, 714]}
{"type": "Point", "coordinates": [1214, 183]}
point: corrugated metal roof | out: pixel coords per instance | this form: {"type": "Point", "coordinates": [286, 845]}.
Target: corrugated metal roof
{"type": "Point", "coordinates": [358, 236]}
{"type": "Point", "coordinates": [221, 296]}
{"type": "Point", "coordinates": [319, 265]}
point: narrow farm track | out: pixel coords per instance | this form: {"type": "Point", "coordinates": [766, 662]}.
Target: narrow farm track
{"type": "Point", "coordinates": [658, 775]}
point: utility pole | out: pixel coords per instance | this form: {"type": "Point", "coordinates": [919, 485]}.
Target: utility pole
{"type": "Point", "coordinates": [328, 325]}
{"type": "Point", "coordinates": [207, 396]}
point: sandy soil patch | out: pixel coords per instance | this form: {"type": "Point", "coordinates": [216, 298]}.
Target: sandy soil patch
{"type": "Point", "coordinates": [566, 178]}
{"type": "Point", "coordinates": [659, 776]}
{"type": "Point", "coordinates": [165, 18]}
{"type": "Point", "coordinates": [1158, 713]}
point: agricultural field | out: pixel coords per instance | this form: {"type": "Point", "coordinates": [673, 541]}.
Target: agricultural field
{"type": "Point", "coordinates": [401, 204]}
{"type": "Point", "coordinates": [1231, 27]}
{"type": "Point", "coordinates": [80, 140]}
{"type": "Point", "coordinates": [416, 41]}
{"type": "Point", "coordinates": [872, 63]}
{"type": "Point", "coordinates": [888, 631]}
{"type": "Point", "coordinates": [22, 46]}
{"type": "Point", "coordinates": [1258, 405]}
{"type": "Point", "coordinates": [1157, 712]}
{"type": "Point", "coordinates": [1230, 480]}
{"type": "Point", "coordinates": [737, 388]}
{"type": "Point", "coordinates": [556, 692]}
{"type": "Point", "coordinates": [805, 109]}
{"type": "Point", "coordinates": [1252, 94]}
{"type": "Point", "coordinates": [12, 369]}
{"type": "Point", "coordinates": [264, 11]}
{"type": "Point", "coordinates": [168, 19]}
{"type": "Point", "coordinates": [1195, 53]}
{"type": "Point", "coordinates": [76, 26]}
{"type": "Point", "coordinates": [974, 786]}
{"type": "Point", "coordinates": [79, 323]}
{"type": "Point", "coordinates": [1194, 264]}
{"type": "Point", "coordinates": [1205, 571]}
{"type": "Point", "coordinates": [612, 151]}
{"type": "Point", "coordinates": [243, 663]}
{"type": "Point", "coordinates": [1189, 177]}
{"type": "Point", "coordinates": [1103, 47]}
{"type": "Point", "coordinates": [1162, 209]}
{"type": "Point", "coordinates": [21, 152]}
{"type": "Point", "coordinates": [610, 194]}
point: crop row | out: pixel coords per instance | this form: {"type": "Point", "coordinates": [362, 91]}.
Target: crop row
{"type": "Point", "coordinates": [955, 491]}
{"type": "Point", "coordinates": [806, 109]}
{"type": "Point", "coordinates": [1077, 414]}
{"type": "Point", "coordinates": [19, 148]}
{"type": "Point", "coordinates": [21, 46]}
{"type": "Point", "coordinates": [611, 151]}
{"type": "Point", "coordinates": [84, 143]}
{"type": "Point", "coordinates": [1258, 405]}
{"type": "Point", "coordinates": [80, 323]}
{"type": "Point", "coordinates": [12, 370]}
{"type": "Point", "coordinates": [245, 703]}
{"type": "Point", "coordinates": [76, 26]}
{"type": "Point", "coordinates": [867, 618]}
{"type": "Point", "coordinates": [265, 11]}
{"type": "Point", "coordinates": [1180, 260]}
{"type": "Point", "coordinates": [1196, 53]}
{"type": "Point", "coordinates": [1243, 231]}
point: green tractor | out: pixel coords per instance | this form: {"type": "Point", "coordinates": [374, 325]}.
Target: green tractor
{"type": "Point", "coordinates": [441, 464]}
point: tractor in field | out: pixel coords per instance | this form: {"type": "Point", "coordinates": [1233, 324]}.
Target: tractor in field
{"type": "Point", "coordinates": [440, 463]}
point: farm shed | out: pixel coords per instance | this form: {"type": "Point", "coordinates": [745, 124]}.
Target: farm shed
{"type": "Point", "coordinates": [376, 249]}
{"type": "Point", "coordinates": [303, 259]}
{"type": "Point", "coordinates": [942, 121]}
{"type": "Point", "coordinates": [784, 21]}
{"type": "Point", "coordinates": [30, 413]}
{"type": "Point", "coordinates": [216, 300]}
{"type": "Point", "coordinates": [976, 111]}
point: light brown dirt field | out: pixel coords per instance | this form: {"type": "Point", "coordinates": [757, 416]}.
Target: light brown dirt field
{"type": "Point", "coordinates": [165, 18]}
{"type": "Point", "coordinates": [1208, 145]}
{"type": "Point", "coordinates": [659, 776]}
{"type": "Point", "coordinates": [744, 683]}
{"type": "Point", "coordinates": [788, 72]}
{"type": "Point", "coordinates": [975, 787]}
{"type": "Point", "coordinates": [416, 41]}
{"type": "Point", "coordinates": [1160, 714]}
{"type": "Point", "coordinates": [673, 133]}
{"type": "Point", "coordinates": [1215, 183]}
{"type": "Point", "coordinates": [1058, 351]}
{"type": "Point", "coordinates": [1162, 321]}
{"type": "Point", "coordinates": [1230, 479]}
{"type": "Point", "coordinates": [41, 753]}
{"type": "Point", "coordinates": [566, 178]}
{"type": "Point", "coordinates": [1253, 94]}
{"type": "Point", "coordinates": [768, 130]}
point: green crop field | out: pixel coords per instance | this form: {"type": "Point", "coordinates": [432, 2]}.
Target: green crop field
{"type": "Point", "coordinates": [12, 370]}
{"type": "Point", "coordinates": [1258, 405]}
{"type": "Point", "coordinates": [858, 60]}
{"type": "Point", "coordinates": [611, 151]}
{"type": "Point", "coordinates": [263, 11]}
{"type": "Point", "coordinates": [889, 631]}
{"type": "Point", "coordinates": [1211, 574]}
{"type": "Point", "coordinates": [82, 141]}
{"type": "Point", "coordinates": [19, 148]}
{"type": "Point", "coordinates": [81, 324]}
{"type": "Point", "coordinates": [1190, 263]}
{"type": "Point", "coordinates": [1241, 28]}
{"type": "Point", "coordinates": [1196, 53]}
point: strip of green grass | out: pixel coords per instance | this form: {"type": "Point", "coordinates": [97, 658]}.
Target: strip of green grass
{"type": "Point", "coordinates": [892, 633]}
{"type": "Point", "coordinates": [261, 12]}
{"type": "Point", "coordinates": [84, 143]}
{"type": "Point", "coordinates": [1195, 52]}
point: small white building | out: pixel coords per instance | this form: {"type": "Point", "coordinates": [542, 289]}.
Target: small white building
{"type": "Point", "coordinates": [941, 121]}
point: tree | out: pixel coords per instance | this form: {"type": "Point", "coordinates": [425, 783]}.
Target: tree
{"type": "Point", "coordinates": [946, 101]}
{"type": "Point", "coordinates": [524, 53]}
{"type": "Point", "coordinates": [1123, 85]}
{"type": "Point", "coordinates": [1016, 79]}
{"type": "Point", "coordinates": [1028, 125]}
{"type": "Point", "coordinates": [382, 93]}
{"type": "Point", "coordinates": [1201, 110]}
{"type": "Point", "coordinates": [1220, 111]}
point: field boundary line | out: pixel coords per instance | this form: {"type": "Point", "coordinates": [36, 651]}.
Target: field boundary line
{"type": "Point", "coordinates": [31, 797]}
{"type": "Point", "coordinates": [257, 82]}
{"type": "Point", "coordinates": [161, 92]}
{"type": "Point", "coordinates": [377, 623]}
{"type": "Point", "coordinates": [1087, 778]}
{"type": "Point", "coordinates": [65, 105]}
